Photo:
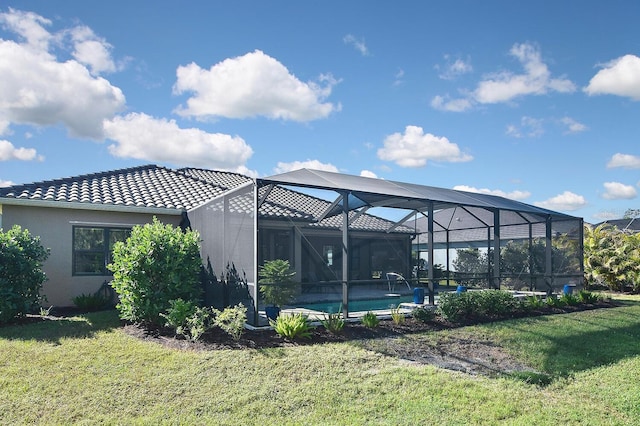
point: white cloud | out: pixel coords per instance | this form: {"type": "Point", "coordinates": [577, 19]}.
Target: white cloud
{"type": "Point", "coordinates": [358, 44]}
{"type": "Point", "coordinates": [572, 125]}
{"type": "Point", "coordinates": [414, 148]}
{"type": "Point", "coordinates": [398, 78]}
{"type": "Point", "coordinates": [143, 137]}
{"type": "Point", "coordinates": [368, 173]}
{"type": "Point", "coordinates": [619, 77]}
{"type": "Point", "coordinates": [9, 152]}
{"type": "Point", "coordinates": [38, 89]}
{"type": "Point", "coordinates": [529, 127]}
{"type": "Point", "coordinates": [618, 191]}
{"type": "Point", "coordinates": [454, 68]}
{"type": "Point", "coordinates": [505, 86]}
{"type": "Point", "coordinates": [5, 183]}
{"type": "Point", "coordinates": [513, 195]}
{"type": "Point", "coordinates": [29, 27]}
{"type": "Point", "coordinates": [92, 50]}
{"type": "Point", "coordinates": [309, 164]}
{"type": "Point", "coordinates": [252, 85]}
{"type": "Point", "coordinates": [567, 201]}
{"type": "Point", "coordinates": [445, 103]}
{"type": "Point", "coordinates": [624, 160]}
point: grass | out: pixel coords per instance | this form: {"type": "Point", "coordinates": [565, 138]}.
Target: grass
{"type": "Point", "coordinates": [86, 370]}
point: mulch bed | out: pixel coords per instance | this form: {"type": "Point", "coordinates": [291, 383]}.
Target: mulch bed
{"type": "Point", "coordinates": [471, 355]}
{"type": "Point", "coordinates": [466, 354]}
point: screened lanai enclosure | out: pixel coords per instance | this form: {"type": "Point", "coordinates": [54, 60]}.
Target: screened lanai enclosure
{"type": "Point", "coordinates": [359, 244]}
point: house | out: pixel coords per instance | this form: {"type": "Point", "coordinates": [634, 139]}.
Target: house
{"type": "Point", "coordinates": [322, 222]}
{"type": "Point", "coordinates": [80, 218]}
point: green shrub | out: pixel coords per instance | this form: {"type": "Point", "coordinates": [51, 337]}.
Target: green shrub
{"type": "Point", "coordinates": [554, 301]}
{"type": "Point", "coordinates": [198, 323]}
{"type": "Point", "coordinates": [277, 285]}
{"type": "Point", "coordinates": [333, 322]}
{"type": "Point", "coordinates": [397, 316]}
{"type": "Point", "coordinates": [292, 326]}
{"type": "Point", "coordinates": [91, 302]}
{"type": "Point", "coordinates": [477, 304]}
{"type": "Point", "coordinates": [495, 303]}
{"type": "Point", "coordinates": [21, 275]}
{"type": "Point", "coordinates": [156, 264]}
{"type": "Point", "coordinates": [177, 314]}
{"type": "Point", "coordinates": [456, 306]}
{"type": "Point", "coordinates": [570, 299]}
{"type": "Point", "coordinates": [231, 320]}
{"type": "Point", "coordinates": [370, 320]}
{"type": "Point", "coordinates": [587, 297]}
{"type": "Point", "coordinates": [423, 314]}
{"type": "Point", "coordinates": [530, 303]}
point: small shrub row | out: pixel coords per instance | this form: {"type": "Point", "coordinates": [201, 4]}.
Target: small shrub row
{"type": "Point", "coordinates": [489, 304]}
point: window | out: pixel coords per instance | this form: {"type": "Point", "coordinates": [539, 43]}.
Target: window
{"type": "Point", "coordinates": [92, 248]}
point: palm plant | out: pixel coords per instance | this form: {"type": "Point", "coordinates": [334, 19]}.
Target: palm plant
{"type": "Point", "coordinates": [276, 277]}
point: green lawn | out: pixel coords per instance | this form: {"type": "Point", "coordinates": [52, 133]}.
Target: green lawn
{"type": "Point", "coordinates": [86, 370]}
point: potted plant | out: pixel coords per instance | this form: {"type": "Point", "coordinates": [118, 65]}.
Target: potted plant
{"type": "Point", "coordinates": [278, 287]}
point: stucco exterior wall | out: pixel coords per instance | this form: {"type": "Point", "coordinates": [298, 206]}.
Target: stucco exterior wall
{"type": "Point", "coordinates": [54, 227]}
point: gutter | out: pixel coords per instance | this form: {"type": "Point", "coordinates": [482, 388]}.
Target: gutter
{"type": "Point", "coordinates": [91, 206]}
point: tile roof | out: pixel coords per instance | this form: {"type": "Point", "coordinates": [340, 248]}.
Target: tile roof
{"type": "Point", "coordinates": [145, 186]}
{"type": "Point", "coordinates": [159, 187]}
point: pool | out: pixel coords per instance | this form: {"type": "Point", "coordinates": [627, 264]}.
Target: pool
{"type": "Point", "coordinates": [360, 305]}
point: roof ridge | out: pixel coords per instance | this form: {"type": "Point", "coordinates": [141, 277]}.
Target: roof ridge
{"type": "Point", "coordinates": [182, 170]}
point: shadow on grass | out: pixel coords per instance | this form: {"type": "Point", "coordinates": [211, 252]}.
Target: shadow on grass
{"type": "Point", "coordinates": [53, 329]}
{"type": "Point", "coordinates": [568, 344]}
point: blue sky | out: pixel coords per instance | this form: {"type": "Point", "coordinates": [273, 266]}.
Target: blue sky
{"type": "Point", "coordinates": [534, 101]}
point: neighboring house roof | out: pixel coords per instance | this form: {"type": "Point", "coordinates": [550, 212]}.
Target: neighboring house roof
{"type": "Point", "coordinates": [160, 188]}
{"type": "Point", "coordinates": [630, 224]}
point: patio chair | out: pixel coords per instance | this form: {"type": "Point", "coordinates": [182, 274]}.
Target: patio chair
{"type": "Point", "coordinates": [393, 278]}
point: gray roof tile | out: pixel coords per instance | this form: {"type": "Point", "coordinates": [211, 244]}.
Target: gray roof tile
{"type": "Point", "coordinates": [146, 186]}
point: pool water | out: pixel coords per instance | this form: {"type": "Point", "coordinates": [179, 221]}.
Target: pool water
{"type": "Point", "coordinates": [360, 305]}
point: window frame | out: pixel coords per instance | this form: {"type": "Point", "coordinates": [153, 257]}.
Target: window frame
{"type": "Point", "coordinates": [105, 251]}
